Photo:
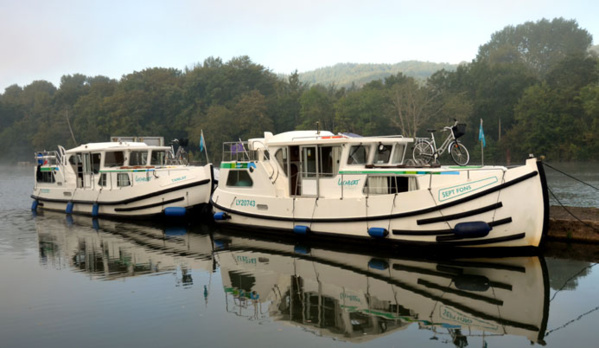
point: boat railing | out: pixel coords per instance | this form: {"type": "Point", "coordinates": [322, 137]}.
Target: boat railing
{"type": "Point", "coordinates": [52, 158]}
{"type": "Point", "coordinates": [389, 136]}
{"type": "Point", "coordinates": [318, 136]}
{"type": "Point", "coordinates": [238, 151]}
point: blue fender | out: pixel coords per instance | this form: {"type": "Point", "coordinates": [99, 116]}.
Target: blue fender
{"type": "Point", "coordinates": [474, 229]}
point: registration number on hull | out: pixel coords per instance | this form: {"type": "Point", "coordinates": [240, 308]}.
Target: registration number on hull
{"type": "Point", "coordinates": [245, 202]}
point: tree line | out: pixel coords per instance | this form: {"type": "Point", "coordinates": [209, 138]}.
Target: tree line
{"type": "Point", "coordinates": [535, 86]}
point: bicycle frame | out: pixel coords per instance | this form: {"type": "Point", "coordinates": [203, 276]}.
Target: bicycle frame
{"type": "Point", "coordinates": [445, 145]}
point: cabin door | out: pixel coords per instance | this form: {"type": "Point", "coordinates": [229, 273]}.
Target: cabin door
{"type": "Point", "coordinates": [86, 174]}
{"type": "Point", "coordinates": [309, 171]}
{"type": "Point", "coordinates": [294, 160]}
{"type": "Point", "coordinates": [91, 169]}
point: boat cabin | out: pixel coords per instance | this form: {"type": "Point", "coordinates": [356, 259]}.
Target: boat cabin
{"type": "Point", "coordinates": [100, 165]}
{"type": "Point", "coordinates": [304, 163]}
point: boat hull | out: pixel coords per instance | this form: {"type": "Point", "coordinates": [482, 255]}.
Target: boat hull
{"type": "Point", "coordinates": [160, 192]}
{"type": "Point", "coordinates": [482, 207]}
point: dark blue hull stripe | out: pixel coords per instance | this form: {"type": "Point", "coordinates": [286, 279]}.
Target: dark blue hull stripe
{"type": "Point", "coordinates": [149, 205]}
{"type": "Point", "coordinates": [443, 232]}
{"type": "Point", "coordinates": [460, 215]}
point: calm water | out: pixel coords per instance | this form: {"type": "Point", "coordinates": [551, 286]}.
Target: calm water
{"type": "Point", "coordinates": [75, 282]}
{"type": "Point", "coordinates": [571, 192]}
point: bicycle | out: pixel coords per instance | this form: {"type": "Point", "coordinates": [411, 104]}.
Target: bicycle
{"type": "Point", "coordinates": [426, 151]}
{"type": "Point", "coordinates": [179, 156]}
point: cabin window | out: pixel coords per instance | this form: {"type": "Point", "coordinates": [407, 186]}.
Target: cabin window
{"type": "Point", "coordinates": [74, 159]}
{"type": "Point", "coordinates": [45, 176]}
{"type": "Point", "coordinates": [398, 154]}
{"type": "Point", "coordinates": [122, 180]}
{"type": "Point", "coordinates": [381, 185]}
{"type": "Point", "coordinates": [138, 158]}
{"type": "Point", "coordinates": [329, 160]}
{"type": "Point", "coordinates": [95, 163]}
{"type": "Point", "coordinates": [281, 157]}
{"type": "Point", "coordinates": [76, 163]}
{"type": "Point", "coordinates": [158, 158]}
{"type": "Point", "coordinates": [242, 281]}
{"type": "Point", "coordinates": [114, 159]}
{"type": "Point", "coordinates": [309, 162]}
{"type": "Point", "coordinates": [323, 309]}
{"type": "Point", "coordinates": [103, 182]}
{"type": "Point", "coordinates": [239, 178]}
{"type": "Point", "coordinates": [383, 153]}
{"type": "Point", "coordinates": [86, 163]}
{"type": "Point", "coordinates": [358, 154]}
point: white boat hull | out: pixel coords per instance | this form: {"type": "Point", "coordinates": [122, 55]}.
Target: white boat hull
{"type": "Point", "coordinates": [447, 210]}
{"type": "Point", "coordinates": [152, 193]}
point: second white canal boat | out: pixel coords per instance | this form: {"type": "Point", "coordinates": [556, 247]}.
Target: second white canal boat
{"type": "Point", "coordinates": [120, 179]}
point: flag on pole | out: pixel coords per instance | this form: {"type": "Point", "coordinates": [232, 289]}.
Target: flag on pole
{"type": "Point", "coordinates": [202, 143]}
{"type": "Point", "coordinates": [481, 134]}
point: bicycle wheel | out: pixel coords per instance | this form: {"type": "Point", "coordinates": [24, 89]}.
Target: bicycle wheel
{"type": "Point", "coordinates": [459, 153]}
{"type": "Point", "coordinates": [423, 153]}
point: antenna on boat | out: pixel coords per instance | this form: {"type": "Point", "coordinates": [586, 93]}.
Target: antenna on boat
{"type": "Point", "coordinates": [317, 127]}
{"type": "Point", "coordinates": [71, 129]}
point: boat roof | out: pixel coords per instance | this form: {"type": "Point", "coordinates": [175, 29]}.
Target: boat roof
{"type": "Point", "coordinates": [121, 145]}
{"type": "Point", "coordinates": [322, 137]}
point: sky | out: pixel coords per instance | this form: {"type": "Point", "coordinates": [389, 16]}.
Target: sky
{"type": "Point", "coordinates": [46, 39]}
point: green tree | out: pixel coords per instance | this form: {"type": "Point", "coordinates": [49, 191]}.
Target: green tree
{"type": "Point", "coordinates": [546, 125]}
{"type": "Point", "coordinates": [251, 116]}
{"type": "Point", "coordinates": [538, 45]}
{"type": "Point", "coordinates": [219, 125]}
{"type": "Point", "coordinates": [317, 107]}
{"type": "Point", "coordinates": [288, 106]}
{"type": "Point", "coordinates": [364, 111]}
{"type": "Point", "coordinates": [90, 114]}
{"type": "Point", "coordinates": [413, 105]}
{"type": "Point", "coordinates": [589, 97]}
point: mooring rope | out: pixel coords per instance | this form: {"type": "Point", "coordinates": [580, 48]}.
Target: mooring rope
{"type": "Point", "coordinates": [572, 321]}
{"type": "Point", "coordinates": [561, 204]}
{"type": "Point", "coordinates": [562, 288]}
{"type": "Point", "coordinates": [570, 176]}
{"type": "Point", "coordinates": [571, 278]}
{"type": "Point", "coordinates": [569, 212]}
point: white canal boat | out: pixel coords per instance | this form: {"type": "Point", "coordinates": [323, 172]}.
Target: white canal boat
{"type": "Point", "coordinates": [120, 179]}
{"type": "Point", "coordinates": [316, 183]}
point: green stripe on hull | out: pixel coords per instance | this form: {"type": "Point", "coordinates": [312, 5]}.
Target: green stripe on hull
{"type": "Point", "coordinates": [234, 165]}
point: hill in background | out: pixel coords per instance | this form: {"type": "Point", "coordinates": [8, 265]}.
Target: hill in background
{"type": "Point", "coordinates": [346, 74]}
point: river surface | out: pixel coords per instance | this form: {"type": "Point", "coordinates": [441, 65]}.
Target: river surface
{"type": "Point", "coordinates": [77, 282]}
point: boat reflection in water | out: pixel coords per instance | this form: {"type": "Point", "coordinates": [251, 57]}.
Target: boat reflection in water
{"type": "Point", "coordinates": [358, 296]}
{"type": "Point", "coordinates": [349, 295]}
{"type": "Point", "coordinates": [109, 250]}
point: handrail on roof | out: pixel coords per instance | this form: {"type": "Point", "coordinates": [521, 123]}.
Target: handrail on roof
{"type": "Point", "coordinates": [318, 136]}
{"type": "Point", "coordinates": [345, 136]}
